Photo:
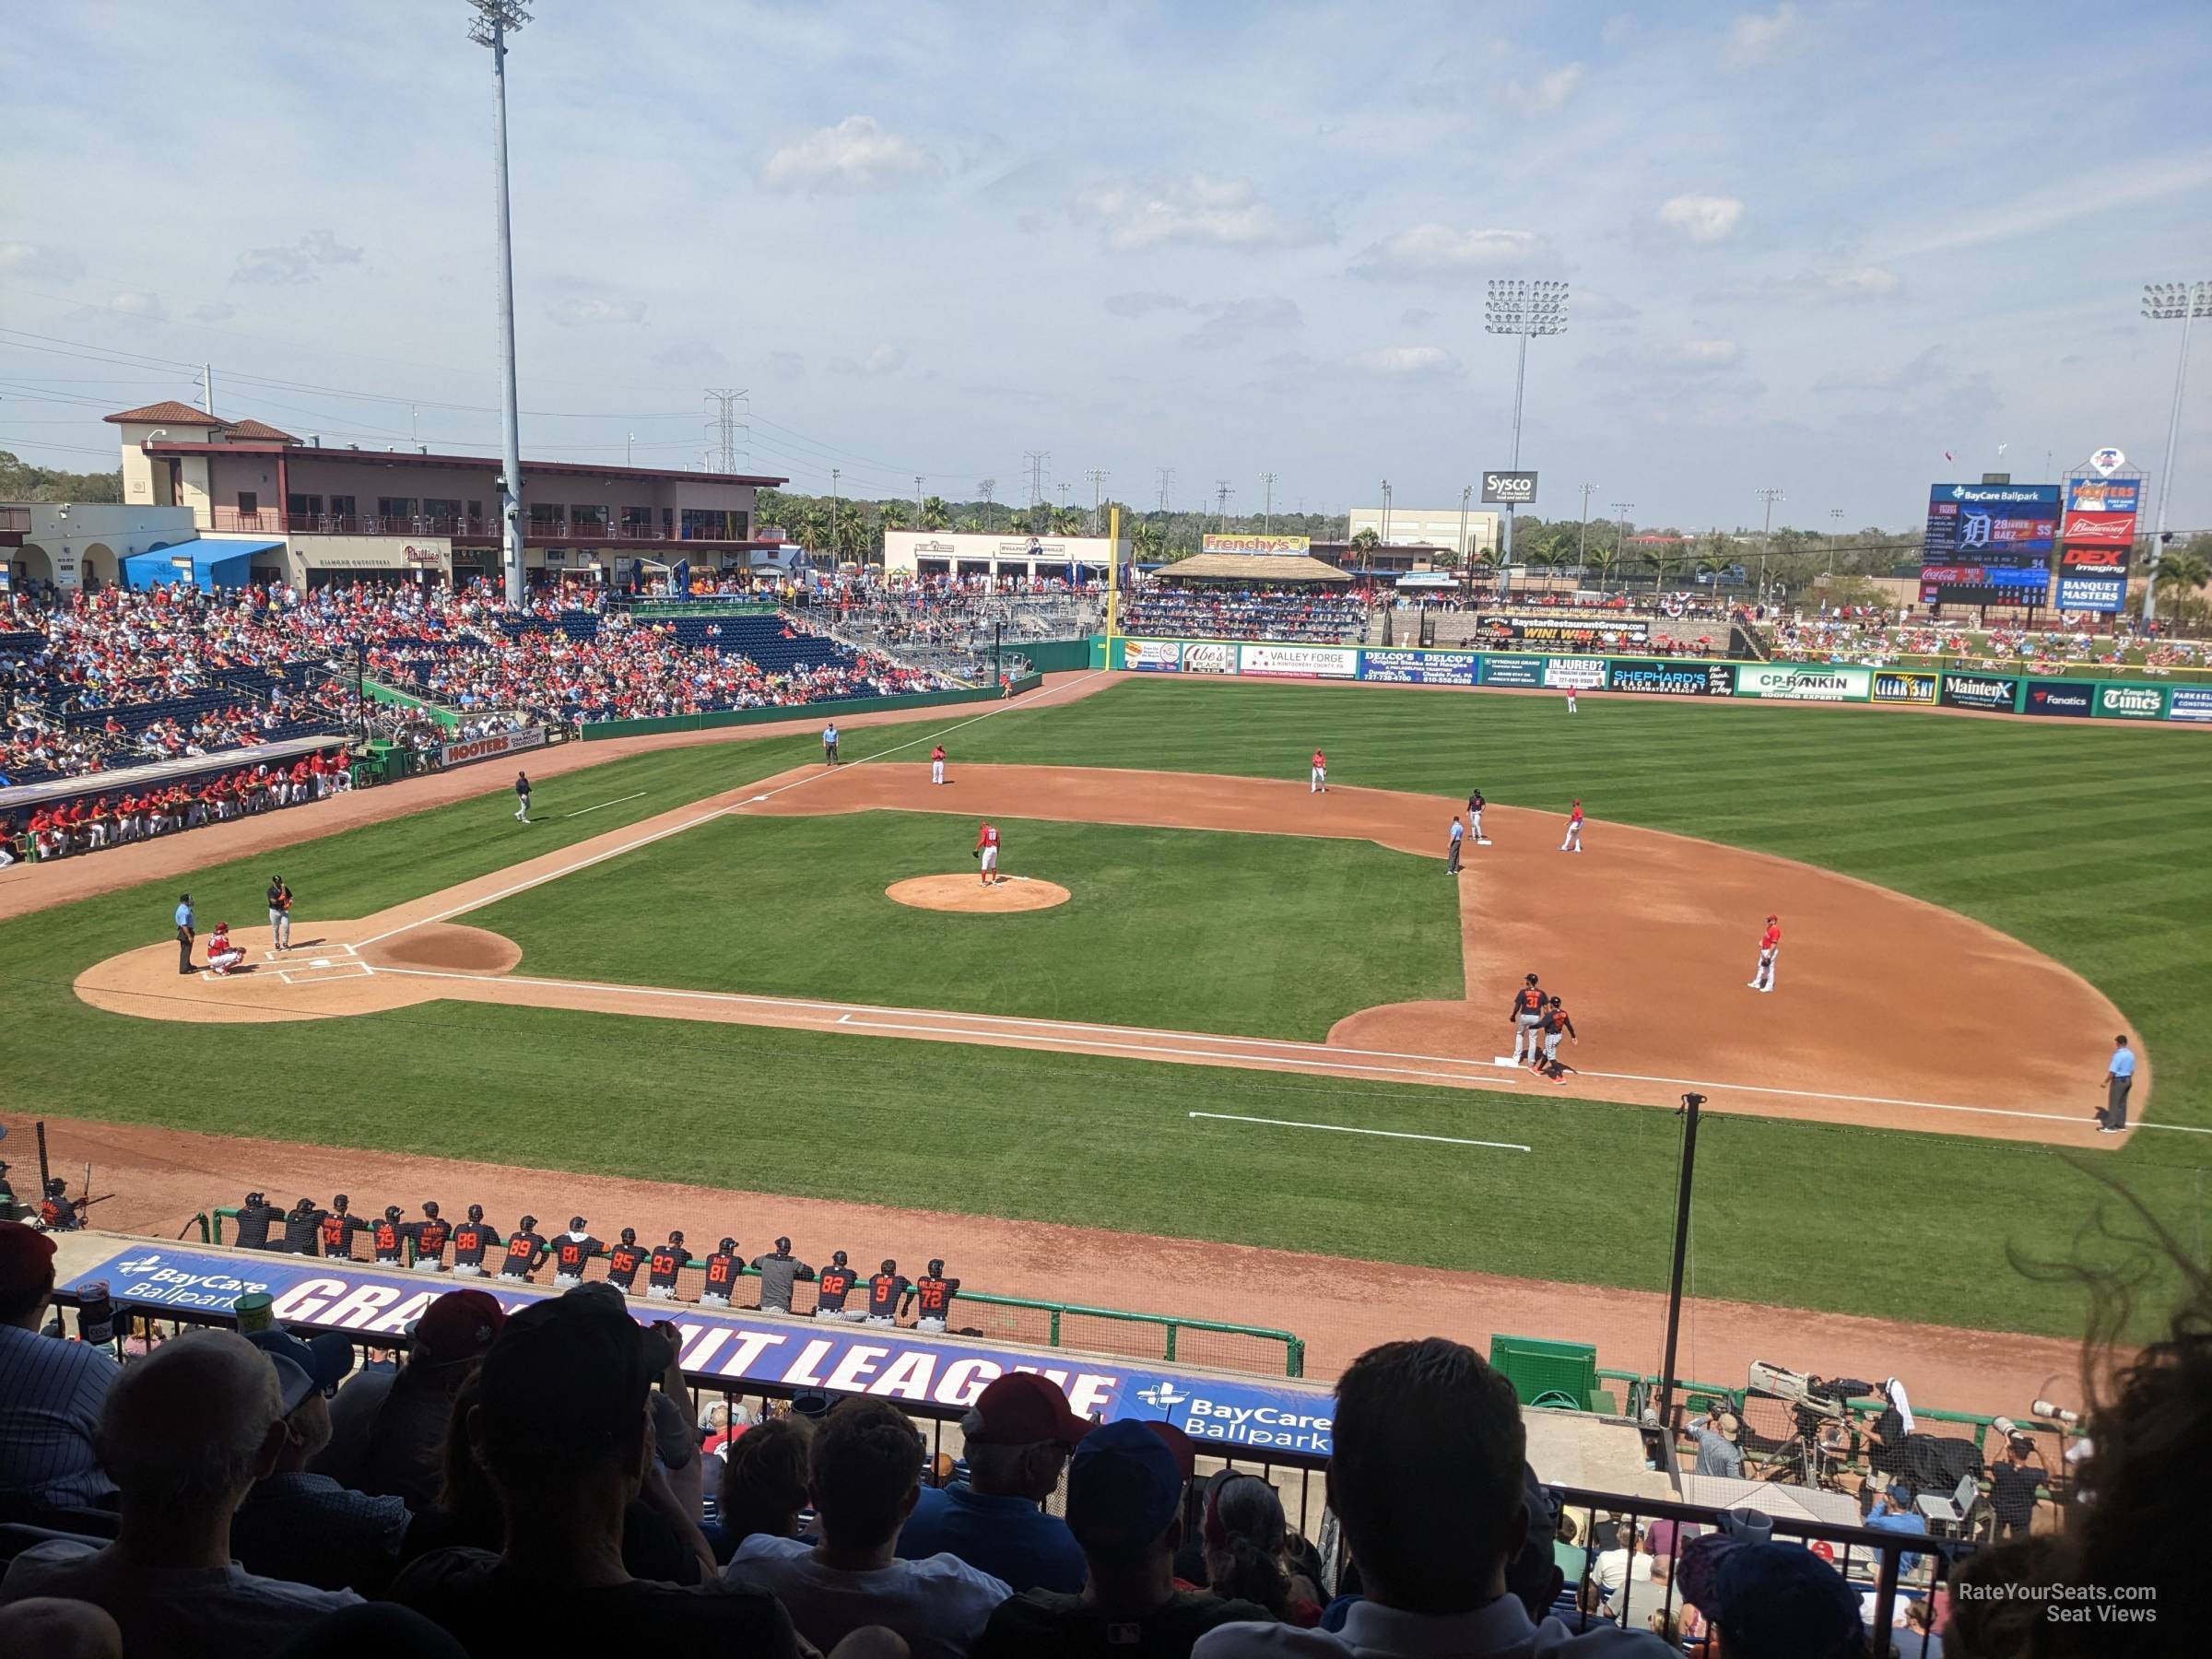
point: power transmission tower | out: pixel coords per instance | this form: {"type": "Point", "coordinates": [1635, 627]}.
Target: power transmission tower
{"type": "Point", "coordinates": [1221, 494]}
{"type": "Point", "coordinates": [1037, 459]}
{"type": "Point", "coordinates": [727, 424]}
{"type": "Point", "coordinates": [1097, 476]}
{"type": "Point", "coordinates": [918, 501]}
{"type": "Point", "coordinates": [1268, 517]}
{"type": "Point", "coordinates": [1166, 482]}
{"type": "Point", "coordinates": [988, 489]}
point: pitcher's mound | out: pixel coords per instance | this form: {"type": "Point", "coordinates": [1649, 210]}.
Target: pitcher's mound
{"type": "Point", "coordinates": [966, 893]}
{"type": "Point", "coordinates": [447, 947]}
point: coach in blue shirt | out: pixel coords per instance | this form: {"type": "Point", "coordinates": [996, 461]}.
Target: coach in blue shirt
{"type": "Point", "coordinates": [2119, 1078]}
{"type": "Point", "coordinates": [50, 1390]}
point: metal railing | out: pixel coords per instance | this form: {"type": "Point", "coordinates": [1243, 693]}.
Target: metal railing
{"type": "Point", "coordinates": [1215, 1343]}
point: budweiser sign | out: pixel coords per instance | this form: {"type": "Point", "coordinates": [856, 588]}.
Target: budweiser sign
{"type": "Point", "coordinates": [2117, 529]}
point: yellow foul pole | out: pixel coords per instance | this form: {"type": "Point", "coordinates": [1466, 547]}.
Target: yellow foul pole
{"type": "Point", "coordinates": [1113, 574]}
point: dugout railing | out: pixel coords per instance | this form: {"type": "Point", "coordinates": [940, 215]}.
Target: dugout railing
{"type": "Point", "coordinates": [1126, 1333]}
{"type": "Point", "coordinates": [1886, 1567]}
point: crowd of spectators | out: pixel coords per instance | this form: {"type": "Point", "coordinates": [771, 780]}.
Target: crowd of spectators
{"type": "Point", "coordinates": [85, 823]}
{"type": "Point", "coordinates": [1878, 638]}
{"type": "Point", "coordinates": [542, 1478]}
{"type": "Point", "coordinates": [1257, 613]}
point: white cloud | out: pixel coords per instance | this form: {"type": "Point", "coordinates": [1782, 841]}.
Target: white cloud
{"type": "Point", "coordinates": [881, 358]}
{"type": "Point", "coordinates": [577, 313]}
{"type": "Point", "coordinates": [40, 265]}
{"type": "Point", "coordinates": [1702, 219]}
{"type": "Point", "coordinates": [1232, 322]}
{"type": "Point", "coordinates": [303, 262]}
{"type": "Point", "coordinates": [787, 365]}
{"type": "Point", "coordinates": [137, 302]}
{"type": "Point", "coordinates": [1197, 208]}
{"type": "Point", "coordinates": [1546, 92]}
{"type": "Point", "coordinates": [1432, 249]}
{"type": "Point", "coordinates": [215, 310]}
{"type": "Point", "coordinates": [1676, 358]}
{"type": "Point", "coordinates": [856, 154]}
{"type": "Point", "coordinates": [1407, 362]}
{"type": "Point", "coordinates": [1415, 316]}
{"type": "Point", "coordinates": [1760, 37]}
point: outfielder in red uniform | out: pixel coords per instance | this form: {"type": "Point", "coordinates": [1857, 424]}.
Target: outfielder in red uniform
{"type": "Point", "coordinates": [1573, 843]}
{"type": "Point", "coordinates": [936, 764]}
{"type": "Point", "coordinates": [1769, 947]}
{"type": "Point", "coordinates": [986, 854]}
{"type": "Point", "coordinates": [1320, 782]}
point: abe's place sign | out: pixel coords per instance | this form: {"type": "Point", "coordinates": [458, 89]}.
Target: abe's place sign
{"type": "Point", "coordinates": [1509, 489]}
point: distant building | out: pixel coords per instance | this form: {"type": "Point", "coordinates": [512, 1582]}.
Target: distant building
{"type": "Point", "coordinates": [946, 553]}
{"type": "Point", "coordinates": [70, 544]}
{"type": "Point", "coordinates": [314, 514]}
{"type": "Point", "coordinates": [1420, 526]}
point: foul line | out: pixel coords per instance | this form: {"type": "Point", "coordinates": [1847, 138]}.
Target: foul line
{"type": "Point", "coordinates": [1231, 1117]}
{"type": "Point", "coordinates": [693, 823]}
{"type": "Point", "coordinates": [616, 802]}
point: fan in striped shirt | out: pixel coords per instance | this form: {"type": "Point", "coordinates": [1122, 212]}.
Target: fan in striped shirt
{"type": "Point", "coordinates": [51, 1393]}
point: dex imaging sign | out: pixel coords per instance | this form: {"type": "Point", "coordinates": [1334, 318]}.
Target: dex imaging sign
{"type": "Point", "coordinates": [1509, 489]}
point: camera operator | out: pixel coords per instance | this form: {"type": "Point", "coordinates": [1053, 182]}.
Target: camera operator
{"type": "Point", "coordinates": [1716, 1439]}
{"type": "Point", "coordinates": [2013, 1481]}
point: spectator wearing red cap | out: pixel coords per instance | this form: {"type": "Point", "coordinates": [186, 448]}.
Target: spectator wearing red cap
{"type": "Point", "coordinates": [185, 1432]}
{"type": "Point", "coordinates": [50, 1391]}
{"type": "Point", "coordinates": [863, 1479]}
{"type": "Point", "coordinates": [1124, 1498]}
{"type": "Point", "coordinates": [1771, 1601]}
{"type": "Point", "coordinates": [303, 1527]}
{"type": "Point", "coordinates": [389, 1427]}
{"type": "Point", "coordinates": [1018, 1435]}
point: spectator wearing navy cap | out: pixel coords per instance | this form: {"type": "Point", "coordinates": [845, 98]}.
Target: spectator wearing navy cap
{"type": "Point", "coordinates": [1125, 1497]}
{"type": "Point", "coordinates": [1771, 1601]}
{"type": "Point", "coordinates": [51, 1393]}
{"type": "Point", "coordinates": [303, 1527]}
{"type": "Point", "coordinates": [1019, 1434]}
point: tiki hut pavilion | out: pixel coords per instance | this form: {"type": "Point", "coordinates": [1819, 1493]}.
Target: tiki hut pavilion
{"type": "Point", "coordinates": [1205, 570]}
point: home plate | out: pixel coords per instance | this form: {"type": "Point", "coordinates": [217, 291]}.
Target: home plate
{"type": "Point", "coordinates": [757, 798]}
{"type": "Point", "coordinates": [320, 962]}
{"type": "Point", "coordinates": [1503, 1060]}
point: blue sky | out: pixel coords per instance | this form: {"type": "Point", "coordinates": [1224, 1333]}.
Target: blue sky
{"type": "Point", "coordinates": [1810, 245]}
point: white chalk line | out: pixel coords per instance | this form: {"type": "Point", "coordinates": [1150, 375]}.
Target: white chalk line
{"type": "Point", "coordinates": [1448, 1140]}
{"type": "Point", "coordinates": [693, 823]}
{"type": "Point", "coordinates": [616, 802]}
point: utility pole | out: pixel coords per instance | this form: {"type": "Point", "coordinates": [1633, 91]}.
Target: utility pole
{"type": "Point", "coordinates": [1267, 514]}
{"type": "Point", "coordinates": [496, 19]}
{"type": "Point", "coordinates": [1769, 495]}
{"type": "Point", "coordinates": [988, 489]}
{"type": "Point", "coordinates": [918, 477]}
{"type": "Point", "coordinates": [208, 388]}
{"type": "Point", "coordinates": [1581, 537]}
{"type": "Point", "coordinates": [836, 540]}
{"type": "Point", "coordinates": [630, 444]}
{"type": "Point", "coordinates": [726, 398]}
{"type": "Point", "coordinates": [1221, 494]}
{"type": "Point", "coordinates": [1386, 512]}
{"type": "Point", "coordinates": [1521, 307]}
{"type": "Point", "coordinates": [1835, 520]}
{"type": "Point", "coordinates": [2162, 302]}
{"type": "Point", "coordinates": [1690, 1102]}
{"type": "Point", "coordinates": [1466, 554]}
{"type": "Point", "coordinates": [1097, 476]}
{"type": "Point", "coordinates": [1621, 537]}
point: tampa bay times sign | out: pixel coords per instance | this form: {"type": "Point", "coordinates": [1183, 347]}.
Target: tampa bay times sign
{"type": "Point", "coordinates": [1509, 489]}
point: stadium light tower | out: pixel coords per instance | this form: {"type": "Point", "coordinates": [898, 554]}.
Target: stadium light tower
{"type": "Point", "coordinates": [1518, 307]}
{"type": "Point", "coordinates": [495, 20]}
{"type": "Point", "coordinates": [2165, 302]}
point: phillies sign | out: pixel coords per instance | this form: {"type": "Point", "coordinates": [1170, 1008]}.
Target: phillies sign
{"type": "Point", "coordinates": [2115, 529]}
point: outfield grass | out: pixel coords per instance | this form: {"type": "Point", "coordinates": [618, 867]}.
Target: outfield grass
{"type": "Point", "coordinates": [1163, 927]}
{"type": "Point", "coordinates": [2091, 843]}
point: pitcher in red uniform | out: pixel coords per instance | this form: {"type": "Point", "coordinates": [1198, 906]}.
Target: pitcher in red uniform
{"type": "Point", "coordinates": [986, 854]}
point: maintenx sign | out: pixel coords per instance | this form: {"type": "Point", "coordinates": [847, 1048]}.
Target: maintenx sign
{"type": "Point", "coordinates": [740, 1347]}
{"type": "Point", "coordinates": [2131, 702]}
{"type": "Point", "coordinates": [2000, 692]}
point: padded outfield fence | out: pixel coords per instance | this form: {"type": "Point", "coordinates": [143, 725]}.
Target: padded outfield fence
{"type": "Point", "coordinates": [2078, 691]}
{"type": "Point", "coordinates": [1212, 1345]}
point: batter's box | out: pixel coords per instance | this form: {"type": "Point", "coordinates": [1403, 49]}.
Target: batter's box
{"type": "Point", "coordinates": [321, 970]}
{"type": "Point", "coordinates": [309, 953]}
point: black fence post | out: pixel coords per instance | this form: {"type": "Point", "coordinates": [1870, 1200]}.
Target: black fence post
{"type": "Point", "coordinates": [1690, 1102]}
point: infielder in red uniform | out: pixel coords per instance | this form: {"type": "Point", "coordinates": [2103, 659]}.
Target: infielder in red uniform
{"type": "Point", "coordinates": [986, 854]}
{"type": "Point", "coordinates": [1573, 843]}
{"type": "Point", "coordinates": [1320, 785]}
{"type": "Point", "coordinates": [1769, 947]}
{"type": "Point", "coordinates": [936, 764]}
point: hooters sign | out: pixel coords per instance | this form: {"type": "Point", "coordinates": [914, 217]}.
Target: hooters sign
{"type": "Point", "coordinates": [2105, 529]}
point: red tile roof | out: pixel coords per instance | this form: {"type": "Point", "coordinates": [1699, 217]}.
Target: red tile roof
{"type": "Point", "coordinates": [172, 412]}
{"type": "Point", "coordinates": [260, 430]}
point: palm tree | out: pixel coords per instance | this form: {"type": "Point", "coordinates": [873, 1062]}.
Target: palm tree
{"type": "Point", "coordinates": [1368, 540]}
{"type": "Point", "coordinates": [894, 515]}
{"type": "Point", "coordinates": [849, 535]}
{"type": "Point", "coordinates": [970, 526]}
{"type": "Point", "coordinates": [1146, 542]}
{"type": "Point", "coordinates": [2179, 576]}
{"type": "Point", "coordinates": [936, 515]}
{"type": "Point", "coordinates": [1068, 521]}
{"type": "Point", "coordinates": [1602, 562]}
{"type": "Point", "coordinates": [1713, 566]}
{"type": "Point", "coordinates": [1662, 564]}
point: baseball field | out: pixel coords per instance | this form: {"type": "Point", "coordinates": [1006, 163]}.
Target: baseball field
{"type": "Point", "coordinates": [1262, 1020]}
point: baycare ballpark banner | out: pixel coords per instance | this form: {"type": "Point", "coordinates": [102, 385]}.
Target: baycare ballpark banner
{"type": "Point", "coordinates": [1298, 661]}
{"type": "Point", "coordinates": [487, 749]}
{"type": "Point", "coordinates": [737, 1348]}
{"type": "Point", "coordinates": [1421, 668]}
{"type": "Point", "coordinates": [1806, 682]}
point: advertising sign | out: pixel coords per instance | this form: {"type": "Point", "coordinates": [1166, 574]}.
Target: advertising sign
{"type": "Point", "coordinates": [1985, 594]}
{"type": "Point", "coordinates": [2104, 495]}
{"type": "Point", "coordinates": [2111, 561]}
{"type": "Point", "coordinates": [1663, 678]}
{"type": "Point", "coordinates": [2075, 698]}
{"type": "Point", "coordinates": [1519, 489]}
{"type": "Point", "coordinates": [1152, 656]}
{"type": "Point", "coordinates": [2103, 529]}
{"type": "Point", "coordinates": [2108, 460]}
{"type": "Point", "coordinates": [1209, 656]}
{"type": "Point", "coordinates": [1584, 636]}
{"type": "Point", "coordinates": [1421, 667]}
{"type": "Point", "coordinates": [1896, 686]}
{"type": "Point", "coordinates": [1579, 673]}
{"type": "Point", "coordinates": [1968, 521]}
{"type": "Point", "coordinates": [1999, 691]}
{"type": "Point", "coordinates": [1513, 670]}
{"type": "Point", "coordinates": [1256, 544]}
{"type": "Point", "coordinates": [2192, 703]}
{"type": "Point", "coordinates": [2105, 594]}
{"type": "Point", "coordinates": [2130, 702]}
{"type": "Point", "coordinates": [737, 1348]}
{"type": "Point", "coordinates": [1300, 662]}
{"type": "Point", "coordinates": [486, 749]}
{"type": "Point", "coordinates": [1796, 682]}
